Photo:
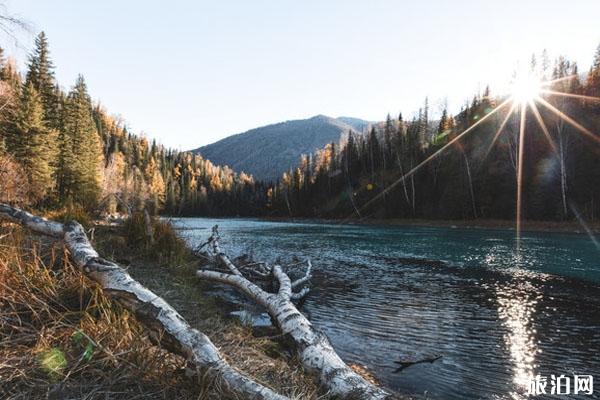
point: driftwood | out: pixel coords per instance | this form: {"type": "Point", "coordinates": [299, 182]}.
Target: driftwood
{"type": "Point", "coordinates": [312, 346]}
{"type": "Point", "coordinates": [408, 363]}
{"type": "Point", "coordinates": [164, 324]}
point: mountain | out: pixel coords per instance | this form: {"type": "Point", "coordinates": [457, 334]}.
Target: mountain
{"type": "Point", "coordinates": [357, 124]}
{"type": "Point", "coordinates": [267, 152]}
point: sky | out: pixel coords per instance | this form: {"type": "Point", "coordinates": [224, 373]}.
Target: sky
{"type": "Point", "coordinates": [189, 73]}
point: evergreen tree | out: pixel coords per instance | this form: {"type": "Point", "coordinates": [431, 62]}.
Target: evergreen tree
{"type": "Point", "coordinates": [40, 75]}
{"type": "Point", "coordinates": [34, 145]}
{"type": "Point", "coordinates": [80, 149]}
{"type": "Point", "coordinates": [593, 80]}
{"type": "Point", "coordinates": [443, 125]}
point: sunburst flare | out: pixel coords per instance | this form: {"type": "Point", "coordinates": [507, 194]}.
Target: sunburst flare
{"type": "Point", "coordinates": [527, 91]}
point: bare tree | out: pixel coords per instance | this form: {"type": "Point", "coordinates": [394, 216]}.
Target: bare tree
{"type": "Point", "coordinates": [11, 24]}
{"type": "Point", "coordinates": [14, 185]}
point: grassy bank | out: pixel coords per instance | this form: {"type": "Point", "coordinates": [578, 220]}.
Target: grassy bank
{"type": "Point", "coordinates": [60, 337]}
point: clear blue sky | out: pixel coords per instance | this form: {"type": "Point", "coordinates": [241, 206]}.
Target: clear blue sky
{"type": "Point", "coordinates": [191, 72]}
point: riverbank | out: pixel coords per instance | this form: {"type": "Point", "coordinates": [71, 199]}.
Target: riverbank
{"type": "Point", "coordinates": [465, 294]}
{"type": "Point", "coordinates": [60, 336]}
{"type": "Point", "coordinates": [505, 225]}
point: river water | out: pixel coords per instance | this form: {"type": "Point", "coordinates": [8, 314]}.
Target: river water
{"type": "Point", "coordinates": [384, 294]}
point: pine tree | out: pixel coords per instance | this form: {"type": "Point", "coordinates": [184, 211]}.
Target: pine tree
{"type": "Point", "coordinates": [33, 144]}
{"type": "Point", "coordinates": [443, 125]}
{"type": "Point", "coordinates": [80, 149]}
{"type": "Point", "coordinates": [40, 75]}
{"type": "Point", "coordinates": [593, 80]}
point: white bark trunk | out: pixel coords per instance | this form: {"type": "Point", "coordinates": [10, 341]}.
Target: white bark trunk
{"type": "Point", "coordinates": [314, 349]}
{"type": "Point", "coordinates": [165, 325]}
{"type": "Point", "coordinates": [563, 168]}
{"type": "Point", "coordinates": [403, 181]}
{"type": "Point", "coordinates": [474, 207]}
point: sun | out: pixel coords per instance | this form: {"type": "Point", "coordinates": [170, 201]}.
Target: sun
{"type": "Point", "coordinates": [526, 88]}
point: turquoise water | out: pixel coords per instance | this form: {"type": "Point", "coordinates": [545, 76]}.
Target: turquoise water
{"type": "Point", "coordinates": [384, 294]}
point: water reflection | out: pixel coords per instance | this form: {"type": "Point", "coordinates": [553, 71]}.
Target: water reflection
{"type": "Point", "coordinates": [383, 294]}
{"type": "Point", "coordinates": [517, 302]}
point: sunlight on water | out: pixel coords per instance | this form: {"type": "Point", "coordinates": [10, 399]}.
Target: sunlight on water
{"type": "Point", "coordinates": [388, 293]}
{"type": "Point", "coordinates": [516, 310]}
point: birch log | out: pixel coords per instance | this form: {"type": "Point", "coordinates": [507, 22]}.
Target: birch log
{"type": "Point", "coordinates": [164, 324]}
{"type": "Point", "coordinates": [312, 346]}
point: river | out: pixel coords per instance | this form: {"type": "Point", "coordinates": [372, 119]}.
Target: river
{"type": "Point", "coordinates": [384, 294]}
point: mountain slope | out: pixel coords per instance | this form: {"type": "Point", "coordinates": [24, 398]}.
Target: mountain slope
{"type": "Point", "coordinates": [357, 124]}
{"type": "Point", "coordinates": [268, 151]}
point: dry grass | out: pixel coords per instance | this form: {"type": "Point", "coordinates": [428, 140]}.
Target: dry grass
{"type": "Point", "coordinates": [264, 359]}
{"type": "Point", "coordinates": [61, 338]}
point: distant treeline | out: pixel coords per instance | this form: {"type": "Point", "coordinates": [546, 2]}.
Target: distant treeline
{"type": "Point", "coordinates": [59, 149]}
{"type": "Point", "coordinates": [470, 179]}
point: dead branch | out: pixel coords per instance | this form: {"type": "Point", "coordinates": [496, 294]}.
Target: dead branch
{"type": "Point", "coordinates": [408, 363]}
{"type": "Point", "coordinates": [312, 346]}
{"type": "Point", "coordinates": [164, 324]}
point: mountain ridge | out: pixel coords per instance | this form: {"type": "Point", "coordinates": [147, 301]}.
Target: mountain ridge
{"type": "Point", "coordinates": [267, 151]}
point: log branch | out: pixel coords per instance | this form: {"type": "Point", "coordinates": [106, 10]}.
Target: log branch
{"type": "Point", "coordinates": [408, 363]}
{"type": "Point", "coordinates": [314, 349]}
{"type": "Point", "coordinates": [301, 294]}
{"type": "Point", "coordinates": [222, 257]}
{"type": "Point", "coordinates": [305, 278]}
{"type": "Point", "coordinates": [165, 325]}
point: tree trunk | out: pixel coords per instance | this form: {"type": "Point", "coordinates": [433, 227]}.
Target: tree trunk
{"type": "Point", "coordinates": [164, 324]}
{"type": "Point", "coordinates": [403, 182]}
{"type": "Point", "coordinates": [467, 166]}
{"type": "Point", "coordinates": [312, 346]}
{"type": "Point", "coordinates": [412, 190]}
{"type": "Point", "coordinates": [563, 168]}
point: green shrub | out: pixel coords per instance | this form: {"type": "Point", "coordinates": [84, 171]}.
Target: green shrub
{"type": "Point", "coordinates": [72, 212]}
{"type": "Point", "coordinates": [168, 247]}
{"type": "Point", "coordinates": [163, 245]}
{"type": "Point", "coordinates": [134, 230]}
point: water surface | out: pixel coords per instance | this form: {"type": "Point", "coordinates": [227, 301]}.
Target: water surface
{"type": "Point", "coordinates": [398, 293]}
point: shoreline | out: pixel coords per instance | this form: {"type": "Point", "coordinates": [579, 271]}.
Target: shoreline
{"type": "Point", "coordinates": [504, 225]}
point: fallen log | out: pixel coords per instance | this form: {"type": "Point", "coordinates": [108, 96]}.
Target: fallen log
{"type": "Point", "coordinates": [312, 346]}
{"type": "Point", "coordinates": [165, 325]}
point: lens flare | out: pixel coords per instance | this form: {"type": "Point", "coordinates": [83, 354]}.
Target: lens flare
{"type": "Point", "coordinates": [527, 91]}
{"type": "Point", "coordinates": [525, 88]}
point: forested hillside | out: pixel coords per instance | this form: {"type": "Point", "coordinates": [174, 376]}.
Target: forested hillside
{"type": "Point", "coordinates": [59, 149]}
{"type": "Point", "coordinates": [269, 151]}
{"type": "Point", "coordinates": [474, 178]}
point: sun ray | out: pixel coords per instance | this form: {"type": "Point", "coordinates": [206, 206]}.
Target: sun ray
{"type": "Point", "coordinates": [520, 175]}
{"type": "Point", "coordinates": [569, 120]}
{"type": "Point", "coordinates": [575, 96]}
{"type": "Point", "coordinates": [502, 125]}
{"type": "Point", "coordinates": [542, 125]}
{"type": "Point", "coordinates": [433, 156]}
{"type": "Point", "coordinates": [584, 225]}
{"type": "Point", "coordinates": [553, 81]}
